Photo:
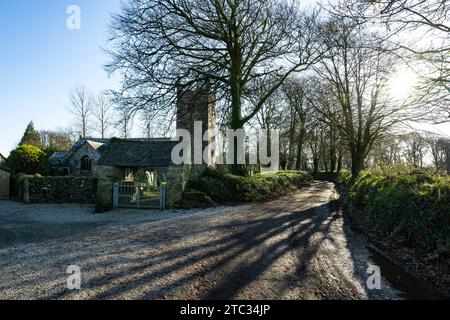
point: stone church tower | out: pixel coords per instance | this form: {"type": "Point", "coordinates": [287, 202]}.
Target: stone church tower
{"type": "Point", "coordinates": [193, 106]}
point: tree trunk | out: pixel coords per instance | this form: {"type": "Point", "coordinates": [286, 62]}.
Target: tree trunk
{"type": "Point", "coordinates": [339, 162]}
{"type": "Point", "coordinates": [316, 161]}
{"type": "Point", "coordinates": [298, 164]}
{"type": "Point", "coordinates": [333, 160]}
{"type": "Point", "coordinates": [291, 143]}
{"type": "Point", "coordinates": [325, 162]}
{"type": "Point", "coordinates": [301, 139]}
{"type": "Point", "coordinates": [236, 122]}
{"type": "Point", "coordinates": [357, 164]}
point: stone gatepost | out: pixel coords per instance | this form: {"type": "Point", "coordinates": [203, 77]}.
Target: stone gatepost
{"type": "Point", "coordinates": [176, 183]}
{"type": "Point", "coordinates": [106, 178]}
{"type": "Point", "coordinates": [177, 178]}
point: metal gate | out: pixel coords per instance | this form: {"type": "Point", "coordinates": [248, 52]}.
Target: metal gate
{"type": "Point", "coordinates": [139, 196]}
{"type": "Point", "coordinates": [4, 184]}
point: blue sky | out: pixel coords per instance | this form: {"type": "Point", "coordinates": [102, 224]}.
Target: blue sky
{"type": "Point", "coordinates": [41, 60]}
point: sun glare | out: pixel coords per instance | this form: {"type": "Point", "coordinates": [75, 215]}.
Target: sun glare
{"type": "Point", "coordinates": [402, 83]}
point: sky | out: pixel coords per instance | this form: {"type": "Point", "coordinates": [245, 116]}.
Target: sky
{"type": "Point", "coordinates": [41, 61]}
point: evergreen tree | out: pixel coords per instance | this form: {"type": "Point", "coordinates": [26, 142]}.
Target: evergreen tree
{"type": "Point", "coordinates": [31, 137]}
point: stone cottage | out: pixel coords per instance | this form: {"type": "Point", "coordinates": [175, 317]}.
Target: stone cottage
{"type": "Point", "coordinates": [81, 160]}
{"type": "Point", "coordinates": [116, 160]}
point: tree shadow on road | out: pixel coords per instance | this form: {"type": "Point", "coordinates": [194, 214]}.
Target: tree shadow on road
{"type": "Point", "coordinates": [208, 259]}
{"type": "Point", "coordinates": [238, 257]}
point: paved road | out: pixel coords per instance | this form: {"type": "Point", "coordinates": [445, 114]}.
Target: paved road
{"type": "Point", "coordinates": [298, 247]}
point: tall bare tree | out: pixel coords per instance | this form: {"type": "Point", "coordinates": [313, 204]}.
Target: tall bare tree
{"type": "Point", "coordinates": [124, 122]}
{"type": "Point", "coordinates": [356, 69]}
{"type": "Point", "coordinates": [81, 107]}
{"type": "Point", "coordinates": [294, 93]}
{"type": "Point", "coordinates": [103, 115]}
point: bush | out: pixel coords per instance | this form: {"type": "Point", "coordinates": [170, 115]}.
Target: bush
{"type": "Point", "coordinates": [28, 159]}
{"type": "Point", "coordinates": [227, 188]}
{"type": "Point", "coordinates": [406, 206]}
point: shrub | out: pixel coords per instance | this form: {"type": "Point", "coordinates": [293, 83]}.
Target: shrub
{"type": "Point", "coordinates": [407, 206]}
{"type": "Point", "coordinates": [28, 159]}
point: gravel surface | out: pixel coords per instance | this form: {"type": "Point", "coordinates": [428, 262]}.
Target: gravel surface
{"type": "Point", "coordinates": [297, 247]}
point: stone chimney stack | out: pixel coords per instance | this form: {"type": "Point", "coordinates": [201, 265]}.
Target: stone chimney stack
{"type": "Point", "coordinates": [193, 106]}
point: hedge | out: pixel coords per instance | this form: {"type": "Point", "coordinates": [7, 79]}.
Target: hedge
{"type": "Point", "coordinates": [407, 206]}
{"type": "Point", "coordinates": [227, 188]}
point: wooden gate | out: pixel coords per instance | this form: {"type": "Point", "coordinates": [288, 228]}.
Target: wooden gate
{"type": "Point", "coordinates": [4, 184]}
{"type": "Point", "coordinates": [139, 196]}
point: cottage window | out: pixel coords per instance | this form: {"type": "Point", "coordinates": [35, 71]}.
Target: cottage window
{"type": "Point", "coordinates": [86, 164]}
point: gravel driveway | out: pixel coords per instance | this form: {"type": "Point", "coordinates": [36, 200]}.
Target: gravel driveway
{"type": "Point", "coordinates": [298, 247]}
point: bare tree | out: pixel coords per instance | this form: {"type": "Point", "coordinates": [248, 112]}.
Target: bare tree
{"type": "Point", "coordinates": [440, 150]}
{"type": "Point", "coordinates": [435, 86]}
{"type": "Point", "coordinates": [356, 71]}
{"type": "Point", "coordinates": [387, 150]}
{"type": "Point", "coordinates": [429, 20]}
{"type": "Point", "coordinates": [125, 120]}
{"type": "Point", "coordinates": [103, 115]}
{"type": "Point", "coordinates": [81, 107]}
{"type": "Point", "coordinates": [148, 123]}
{"type": "Point", "coordinates": [224, 45]}
{"type": "Point", "coordinates": [294, 94]}
{"type": "Point", "coordinates": [56, 140]}
{"type": "Point", "coordinates": [269, 116]}
{"type": "Point", "coordinates": [315, 140]}
{"type": "Point", "coordinates": [416, 149]}
{"type": "Point", "coordinates": [402, 14]}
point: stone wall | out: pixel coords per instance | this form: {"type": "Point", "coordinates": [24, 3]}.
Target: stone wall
{"type": "Point", "coordinates": [59, 190]}
{"type": "Point", "coordinates": [177, 178]}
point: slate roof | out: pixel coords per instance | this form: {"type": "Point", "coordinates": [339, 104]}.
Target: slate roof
{"type": "Point", "coordinates": [59, 159]}
{"type": "Point", "coordinates": [139, 153]}
{"type": "Point", "coordinates": [91, 141]}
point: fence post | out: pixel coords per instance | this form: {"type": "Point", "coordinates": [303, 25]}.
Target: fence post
{"type": "Point", "coordinates": [138, 195]}
{"type": "Point", "coordinates": [116, 196]}
{"type": "Point", "coordinates": [162, 197]}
